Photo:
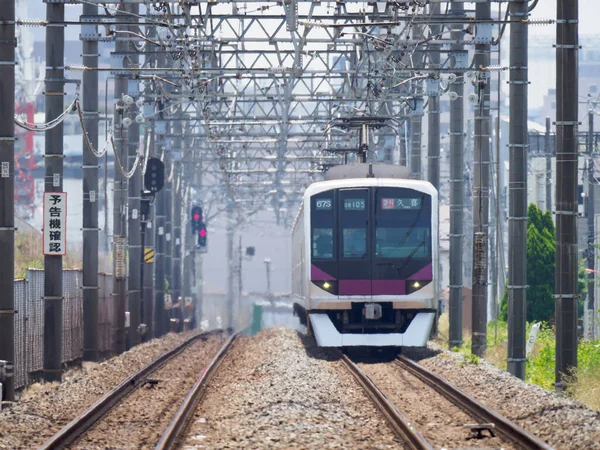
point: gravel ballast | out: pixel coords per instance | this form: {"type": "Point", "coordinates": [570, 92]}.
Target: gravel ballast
{"type": "Point", "coordinates": [561, 422]}
{"type": "Point", "coordinates": [273, 392]}
{"type": "Point", "coordinates": [439, 421]}
{"type": "Point", "coordinates": [46, 407]}
{"type": "Point", "coordinates": [141, 418]}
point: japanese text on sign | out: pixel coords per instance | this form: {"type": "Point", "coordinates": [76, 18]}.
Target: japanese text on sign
{"type": "Point", "coordinates": [400, 203]}
{"type": "Point", "coordinates": [55, 223]}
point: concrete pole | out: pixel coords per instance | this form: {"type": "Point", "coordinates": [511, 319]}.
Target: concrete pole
{"type": "Point", "coordinates": [481, 191]}
{"type": "Point", "coordinates": [433, 141]}
{"type": "Point", "coordinates": [159, 257]}
{"type": "Point", "coordinates": [230, 263]}
{"type": "Point", "coordinates": [549, 155]}
{"type": "Point", "coordinates": [567, 91]}
{"type": "Point", "coordinates": [7, 192]}
{"type": "Point", "coordinates": [456, 193]}
{"type": "Point", "coordinates": [148, 286]}
{"type": "Point", "coordinates": [177, 242]}
{"type": "Point", "coordinates": [134, 193]}
{"type": "Point", "coordinates": [517, 195]}
{"type": "Point", "coordinates": [89, 36]}
{"type": "Point", "coordinates": [169, 231]}
{"type": "Point", "coordinates": [53, 282]}
{"type": "Point", "coordinates": [591, 212]}
{"type": "Point", "coordinates": [120, 195]}
{"type": "Point", "coordinates": [404, 133]}
{"type": "Point", "coordinates": [416, 116]}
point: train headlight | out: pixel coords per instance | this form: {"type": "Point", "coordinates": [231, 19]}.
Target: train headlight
{"type": "Point", "coordinates": [326, 285]}
{"type": "Point", "coordinates": [415, 285]}
{"type": "Point", "coordinates": [330, 286]}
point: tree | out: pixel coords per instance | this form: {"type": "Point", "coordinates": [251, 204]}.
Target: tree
{"type": "Point", "coordinates": [541, 261]}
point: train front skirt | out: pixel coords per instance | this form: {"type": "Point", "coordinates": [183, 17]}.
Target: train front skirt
{"type": "Point", "coordinates": [416, 335]}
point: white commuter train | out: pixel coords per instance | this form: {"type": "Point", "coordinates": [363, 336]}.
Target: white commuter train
{"type": "Point", "coordinates": [365, 258]}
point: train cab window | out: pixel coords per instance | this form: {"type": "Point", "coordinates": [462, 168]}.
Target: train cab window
{"type": "Point", "coordinates": [322, 243]}
{"type": "Point", "coordinates": [403, 229]}
{"type": "Point", "coordinates": [322, 221]}
{"type": "Point", "coordinates": [354, 221]}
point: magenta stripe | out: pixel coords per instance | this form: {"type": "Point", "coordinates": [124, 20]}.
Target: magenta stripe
{"type": "Point", "coordinates": [426, 273]}
{"type": "Point", "coordinates": [354, 287]}
{"type": "Point", "coordinates": [317, 274]}
{"type": "Point", "coordinates": [384, 287]}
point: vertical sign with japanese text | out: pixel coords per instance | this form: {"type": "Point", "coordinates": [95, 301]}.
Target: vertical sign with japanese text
{"type": "Point", "coordinates": [55, 223]}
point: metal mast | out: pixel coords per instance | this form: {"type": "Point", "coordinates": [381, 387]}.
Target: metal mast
{"type": "Point", "coordinates": [433, 141]}
{"type": "Point", "coordinates": [591, 218]}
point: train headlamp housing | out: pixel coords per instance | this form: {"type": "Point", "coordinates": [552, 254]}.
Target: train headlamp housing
{"type": "Point", "coordinates": [415, 285]}
{"type": "Point", "coordinates": [330, 286]}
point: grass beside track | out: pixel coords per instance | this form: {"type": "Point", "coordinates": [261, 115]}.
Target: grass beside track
{"type": "Point", "coordinates": [584, 385]}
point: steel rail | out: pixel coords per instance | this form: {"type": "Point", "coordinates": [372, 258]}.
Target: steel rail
{"type": "Point", "coordinates": [177, 425]}
{"type": "Point", "coordinates": [504, 426]}
{"type": "Point", "coordinates": [401, 425]}
{"type": "Point", "coordinates": [78, 426]}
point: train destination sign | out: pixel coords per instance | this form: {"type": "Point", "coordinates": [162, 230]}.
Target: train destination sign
{"type": "Point", "coordinates": [354, 204]}
{"type": "Point", "coordinates": [401, 203]}
{"type": "Point", "coordinates": [55, 223]}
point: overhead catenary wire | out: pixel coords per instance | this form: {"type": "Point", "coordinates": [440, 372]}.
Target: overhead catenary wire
{"type": "Point", "coordinates": [49, 125]}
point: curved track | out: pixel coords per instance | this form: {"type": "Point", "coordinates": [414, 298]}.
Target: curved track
{"type": "Point", "coordinates": [82, 423]}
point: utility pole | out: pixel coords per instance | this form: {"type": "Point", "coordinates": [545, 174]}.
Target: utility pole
{"type": "Point", "coordinates": [178, 212]}
{"type": "Point", "coordinates": [517, 187]}
{"type": "Point", "coordinates": [567, 91]}
{"type": "Point", "coordinates": [433, 141]}
{"type": "Point", "coordinates": [481, 187]}
{"type": "Point", "coordinates": [148, 285]}
{"type": "Point", "coordinates": [53, 281]}
{"type": "Point", "coordinates": [120, 190]}
{"type": "Point", "coordinates": [90, 36]}
{"type": "Point", "coordinates": [134, 194]}
{"type": "Point", "coordinates": [7, 196]}
{"type": "Point", "coordinates": [456, 187]}
{"type": "Point", "coordinates": [591, 214]}
{"type": "Point", "coordinates": [549, 155]}
{"type": "Point", "coordinates": [230, 235]}
{"type": "Point", "coordinates": [416, 115]}
{"type": "Point", "coordinates": [403, 143]}
{"type": "Point", "coordinates": [169, 227]}
{"type": "Point", "coordinates": [159, 257]}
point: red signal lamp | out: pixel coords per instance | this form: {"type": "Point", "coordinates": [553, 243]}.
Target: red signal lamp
{"type": "Point", "coordinates": [202, 233]}
{"type": "Point", "coordinates": [196, 216]}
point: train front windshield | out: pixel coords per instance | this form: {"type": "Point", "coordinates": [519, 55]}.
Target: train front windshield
{"type": "Point", "coordinates": [373, 239]}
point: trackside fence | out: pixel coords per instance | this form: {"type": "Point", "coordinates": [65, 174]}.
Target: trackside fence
{"type": "Point", "coordinates": [29, 322]}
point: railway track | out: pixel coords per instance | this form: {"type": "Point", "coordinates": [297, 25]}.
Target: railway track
{"type": "Point", "coordinates": [506, 428]}
{"type": "Point", "coordinates": [405, 427]}
{"type": "Point", "coordinates": [79, 426]}
{"type": "Point", "coordinates": [178, 424]}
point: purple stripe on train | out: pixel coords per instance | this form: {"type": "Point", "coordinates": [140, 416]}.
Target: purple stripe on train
{"type": "Point", "coordinates": [383, 287]}
{"type": "Point", "coordinates": [317, 274]}
{"type": "Point", "coordinates": [354, 287]}
{"type": "Point", "coordinates": [426, 273]}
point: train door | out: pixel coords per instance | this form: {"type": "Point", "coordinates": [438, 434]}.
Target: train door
{"type": "Point", "coordinates": [354, 249]}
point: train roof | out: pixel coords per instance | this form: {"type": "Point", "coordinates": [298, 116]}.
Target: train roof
{"type": "Point", "coordinates": [367, 170]}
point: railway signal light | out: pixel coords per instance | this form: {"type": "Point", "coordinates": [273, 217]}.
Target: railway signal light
{"type": "Point", "coordinates": [202, 235]}
{"type": "Point", "coordinates": [154, 178]}
{"type": "Point", "coordinates": [196, 218]}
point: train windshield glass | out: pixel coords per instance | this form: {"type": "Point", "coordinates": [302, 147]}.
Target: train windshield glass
{"type": "Point", "coordinates": [354, 219]}
{"type": "Point", "coordinates": [403, 224]}
{"type": "Point", "coordinates": [322, 226]}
